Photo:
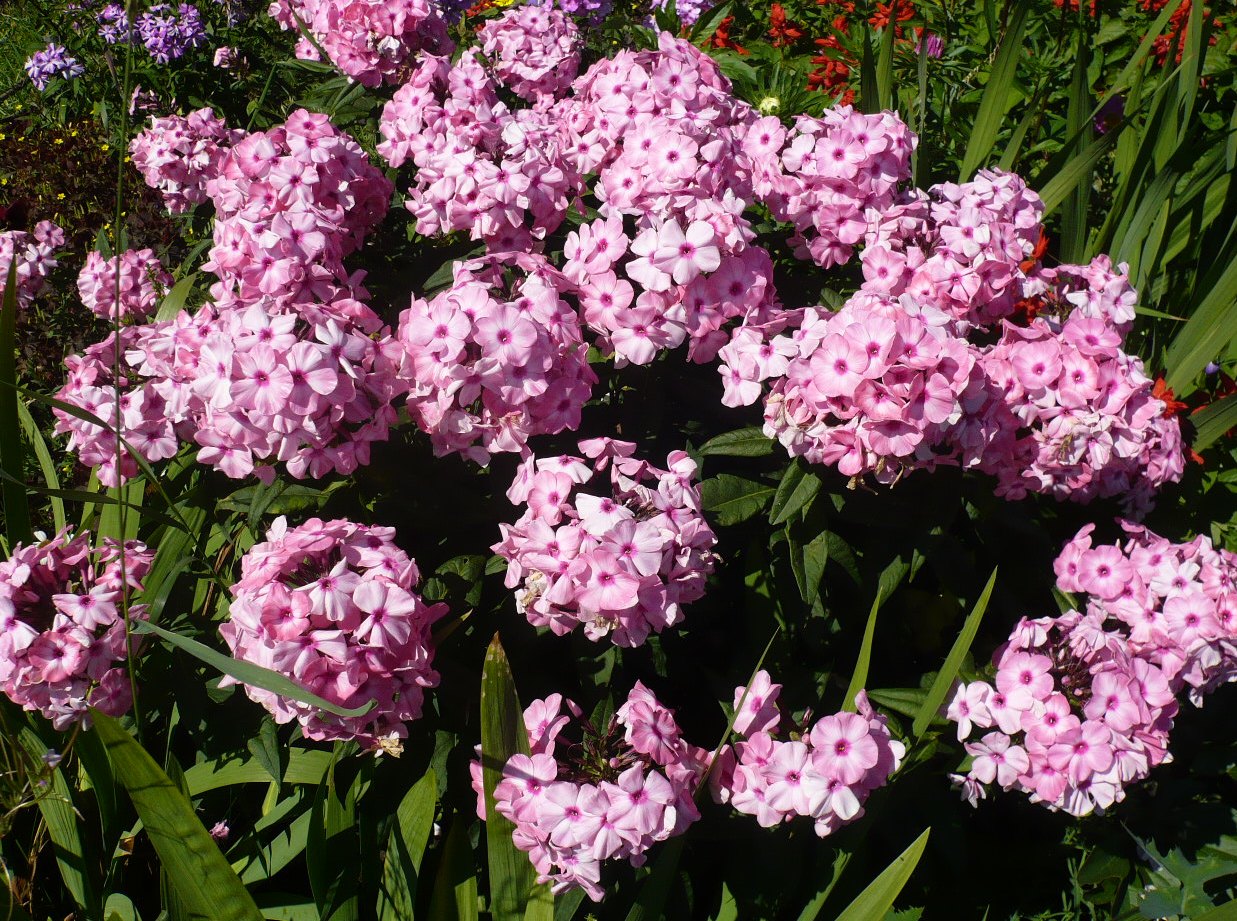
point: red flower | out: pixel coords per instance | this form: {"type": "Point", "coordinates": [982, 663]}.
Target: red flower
{"type": "Point", "coordinates": [894, 11]}
{"type": "Point", "coordinates": [781, 30]}
{"type": "Point", "coordinates": [721, 37]}
{"type": "Point", "coordinates": [1161, 391]}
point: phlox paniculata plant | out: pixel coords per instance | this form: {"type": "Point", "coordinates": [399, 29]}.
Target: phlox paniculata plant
{"type": "Point", "coordinates": [142, 284]}
{"type": "Point", "coordinates": [497, 358]}
{"type": "Point", "coordinates": [589, 794]}
{"type": "Point", "coordinates": [286, 363]}
{"type": "Point", "coordinates": [30, 257]}
{"type": "Point", "coordinates": [1081, 705]}
{"type": "Point", "coordinates": [620, 558]}
{"type": "Point", "coordinates": [825, 771]}
{"type": "Point", "coordinates": [332, 605]}
{"type": "Point", "coordinates": [370, 41]}
{"type": "Point", "coordinates": [63, 636]}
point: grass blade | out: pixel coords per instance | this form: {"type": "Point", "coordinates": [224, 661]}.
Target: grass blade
{"type": "Point", "coordinates": [860, 676]}
{"type": "Point", "coordinates": [248, 673]}
{"type": "Point", "coordinates": [455, 887]}
{"type": "Point", "coordinates": [877, 899]}
{"type": "Point", "coordinates": [65, 826]}
{"type": "Point", "coordinates": [996, 94]}
{"type": "Point", "coordinates": [962, 645]}
{"type": "Point", "coordinates": [46, 465]}
{"type": "Point", "coordinates": [203, 880]}
{"type": "Point", "coordinates": [1212, 422]}
{"type": "Point", "coordinates": [1211, 327]}
{"type": "Point", "coordinates": [12, 453]}
{"type": "Point", "coordinates": [409, 837]}
{"type": "Point", "coordinates": [502, 735]}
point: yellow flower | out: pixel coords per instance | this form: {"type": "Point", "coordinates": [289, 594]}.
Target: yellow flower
{"type": "Point", "coordinates": [59, 196]}
{"type": "Point", "coordinates": [105, 147]}
{"type": "Point", "coordinates": [58, 141]}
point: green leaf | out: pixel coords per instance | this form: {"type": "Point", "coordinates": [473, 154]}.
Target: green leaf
{"type": "Point", "coordinates": [708, 22]}
{"type": "Point", "coordinates": [46, 465]}
{"type": "Point", "coordinates": [567, 904]}
{"type": "Point", "coordinates": [540, 905]}
{"type": "Point", "coordinates": [907, 701]}
{"type": "Point", "coordinates": [884, 68]}
{"type": "Point", "coordinates": [303, 767]}
{"type": "Point", "coordinates": [815, 559]}
{"type": "Point", "coordinates": [12, 452]}
{"type": "Point", "coordinates": [993, 104]}
{"type": "Point", "coordinates": [1075, 171]}
{"type": "Point", "coordinates": [332, 850]}
{"type": "Point", "coordinates": [1214, 421]}
{"type": "Point", "coordinates": [65, 827]}
{"type": "Point", "coordinates": [410, 834]}
{"type": "Point", "coordinates": [455, 887]}
{"type": "Point", "coordinates": [1211, 327]}
{"type": "Point", "coordinates": [795, 492]}
{"type": "Point", "coordinates": [962, 645]}
{"type": "Point", "coordinates": [200, 875]}
{"type": "Point", "coordinates": [175, 300]}
{"type": "Point", "coordinates": [860, 676]}
{"type": "Point", "coordinates": [248, 673]}
{"type": "Point", "coordinates": [1225, 912]}
{"type": "Point", "coordinates": [731, 499]}
{"type": "Point", "coordinates": [267, 751]}
{"type": "Point", "coordinates": [502, 735]}
{"type": "Point", "coordinates": [747, 442]}
{"type": "Point", "coordinates": [877, 899]}
{"type": "Point", "coordinates": [650, 904]}
{"type": "Point", "coordinates": [811, 911]}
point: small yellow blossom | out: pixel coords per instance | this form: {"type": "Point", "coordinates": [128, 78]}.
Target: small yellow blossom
{"type": "Point", "coordinates": [59, 196]}
{"type": "Point", "coordinates": [58, 141]}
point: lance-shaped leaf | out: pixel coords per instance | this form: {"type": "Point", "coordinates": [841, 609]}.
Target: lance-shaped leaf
{"type": "Point", "coordinates": [205, 883]}
{"type": "Point", "coordinates": [502, 735]}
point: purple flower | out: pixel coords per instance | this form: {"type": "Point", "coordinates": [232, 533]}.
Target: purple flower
{"type": "Point", "coordinates": [1109, 114]}
{"type": "Point", "coordinates": [935, 46]}
{"type": "Point", "coordinates": [168, 33]}
{"type": "Point", "coordinates": [52, 61]}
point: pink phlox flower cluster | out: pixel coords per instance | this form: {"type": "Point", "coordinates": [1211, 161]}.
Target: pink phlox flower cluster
{"type": "Point", "coordinates": [535, 50]}
{"type": "Point", "coordinates": [310, 387]}
{"type": "Point", "coordinates": [143, 283]}
{"type": "Point", "coordinates": [178, 154]}
{"type": "Point", "coordinates": [498, 173]}
{"type": "Point", "coordinates": [664, 135]}
{"type": "Point", "coordinates": [956, 247]}
{"type": "Point", "coordinates": [1074, 416]}
{"type": "Point", "coordinates": [875, 388]}
{"type": "Point", "coordinates": [1177, 602]}
{"type": "Point", "coordinates": [689, 283]}
{"type": "Point", "coordinates": [974, 356]}
{"type": "Point", "coordinates": [332, 605]}
{"type": "Point", "coordinates": [623, 788]}
{"type": "Point", "coordinates": [621, 559]}
{"type": "Point", "coordinates": [31, 257]}
{"type": "Point", "coordinates": [370, 41]}
{"type": "Point", "coordinates": [829, 176]}
{"type": "Point", "coordinates": [657, 134]}
{"type": "Point", "coordinates": [62, 626]}
{"type": "Point", "coordinates": [1076, 715]}
{"type": "Point", "coordinates": [826, 772]}
{"type": "Point", "coordinates": [290, 204]}
{"type": "Point", "coordinates": [496, 358]}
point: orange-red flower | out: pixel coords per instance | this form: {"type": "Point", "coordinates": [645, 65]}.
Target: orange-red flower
{"type": "Point", "coordinates": [1161, 391]}
{"type": "Point", "coordinates": [782, 30]}
{"type": "Point", "coordinates": [721, 37]}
